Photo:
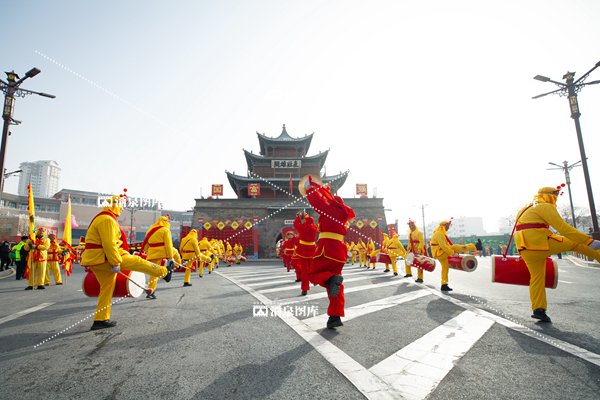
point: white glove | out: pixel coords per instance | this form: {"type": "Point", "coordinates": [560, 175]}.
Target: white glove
{"type": "Point", "coordinates": [115, 268]}
{"type": "Point", "coordinates": [595, 245]}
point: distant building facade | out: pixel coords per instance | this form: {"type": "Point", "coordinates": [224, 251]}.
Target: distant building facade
{"type": "Point", "coordinates": [44, 177]}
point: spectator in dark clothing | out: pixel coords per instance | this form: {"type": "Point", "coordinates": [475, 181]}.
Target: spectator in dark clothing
{"type": "Point", "coordinates": [20, 257]}
{"type": "Point", "coordinates": [4, 256]}
{"type": "Point", "coordinates": [479, 247]}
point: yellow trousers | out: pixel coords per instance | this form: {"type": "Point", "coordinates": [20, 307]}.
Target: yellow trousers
{"type": "Point", "coordinates": [37, 274]}
{"type": "Point", "coordinates": [153, 280]}
{"type": "Point", "coordinates": [536, 264]}
{"type": "Point", "coordinates": [52, 266]}
{"type": "Point", "coordinates": [408, 270]}
{"type": "Point", "coordinates": [362, 259]}
{"type": "Point", "coordinates": [107, 278]}
{"type": "Point", "coordinates": [394, 268]}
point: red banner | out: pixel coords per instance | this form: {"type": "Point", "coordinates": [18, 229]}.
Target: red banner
{"type": "Point", "coordinates": [361, 189]}
{"type": "Point", "coordinates": [217, 190]}
{"type": "Point", "coordinates": [254, 189]}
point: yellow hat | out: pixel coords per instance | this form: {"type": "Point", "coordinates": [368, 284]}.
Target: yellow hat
{"type": "Point", "coordinates": [549, 190]}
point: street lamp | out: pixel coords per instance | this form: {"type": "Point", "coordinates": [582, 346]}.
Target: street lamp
{"type": "Point", "coordinates": [566, 168]}
{"type": "Point", "coordinates": [570, 89]}
{"type": "Point", "coordinates": [12, 89]}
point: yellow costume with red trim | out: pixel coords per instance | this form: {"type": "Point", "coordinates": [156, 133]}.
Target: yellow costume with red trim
{"type": "Point", "coordinates": [206, 250]}
{"type": "Point", "coordinates": [372, 253]}
{"type": "Point", "coordinates": [395, 249]}
{"type": "Point", "coordinates": [54, 258]}
{"type": "Point", "coordinates": [442, 248]}
{"type": "Point", "coordinates": [158, 245]}
{"type": "Point", "coordinates": [535, 241]}
{"type": "Point", "coordinates": [383, 249]}
{"type": "Point", "coordinates": [38, 248]}
{"type": "Point", "coordinates": [105, 249]}
{"type": "Point", "coordinates": [361, 247]}
{"type": "Point", "coordinates": [190, 252]}
{"type": "Point", "coordinates": [416, 245]}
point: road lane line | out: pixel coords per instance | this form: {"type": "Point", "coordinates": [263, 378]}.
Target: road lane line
{"type": "Point", "coordinates": [24, 312]}
{"type": "Point", "coordinates": [417, 369]}
{"type": "Point", "coordinates": [297, 285]}
{"type": "Point", "coordinates": [289, 280]}
{"type": "Point", "coordinates": [316, 322]}
{"type": "Point", "coordinates": [366, 382]}
{"type": "Point", "coordinates": [559, 344]}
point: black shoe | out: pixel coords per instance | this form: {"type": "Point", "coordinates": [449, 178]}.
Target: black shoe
{"type": "Point", "coordinates": [210, 272]}
{"type": "Point", "coordinates": [41, 287]}
{"type": "Point", "coordinates": [103, 324]}
{"type": "Point", "coordinates": [29, 288]}
{"type": "Point", "coordinates": [199, 276]}
{"type": "Point", "coordinates": [408, 276]}
{"type": "Point", "coordinates": [58, 284]}
{"type": "Point", "coordinates": [419, 280]}
{"type": "Point", "coordinates": [186, 284]}
{"type": "Point", "coordinates": [386, 270]}
{"type": "Point", "coordinates": [333, 284]}
{"type": "Point", "coordinates": [298, 280]}
{"type": "Point", "coordinates": [334, 322]}
{"type": "Point", "coordinates": [304, 293]}
{"type": "Point", "coordinates": [446, 288]}
{"type": "Point", "coordinates": [395, 274]}
{"type": "Point", "coordinates": [540, 314]}
{"type": "Point", "coordinates": [150, 295]}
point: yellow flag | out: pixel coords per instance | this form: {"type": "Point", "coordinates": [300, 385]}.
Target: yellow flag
{"type": "Point", "coordinates": [67, 235]}
{"type": "Point", "coordinates": [67, 241]}
{"type": "Point", "coordinates": [31, 209]}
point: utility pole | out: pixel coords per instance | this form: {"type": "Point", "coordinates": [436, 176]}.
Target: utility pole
{"type": "Point", "coordinates": [11, 89]}
{"type": "Point", "coordinates": [566, 168]}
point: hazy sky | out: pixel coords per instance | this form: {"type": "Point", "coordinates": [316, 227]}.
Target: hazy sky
{"type": "Point", "coordinates": [427, 102]}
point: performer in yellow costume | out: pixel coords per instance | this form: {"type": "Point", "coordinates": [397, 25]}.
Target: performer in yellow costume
{"type": "Point", "coordinates": [39, 253]}
{"type": "Point", "coordinates": [190, 252]}
{"type": "Point", "coordinates": [362, 253]}
{"type": "Point", "coordinates": [158, 245]}
{"type": "Point", "coordinates": [106, 252]}
{"type": "Point", "coordinates": [54, 252]}
{"type": "Point", "coordinates": [206, 250]}
{"type": "Point", "coordinates": [442, 248]}
{"type": "Point", "coordinates": [416, 245]}
{"type": "Point", "coordinates": [383, 249]}
{"type": "Point", "coordinates": [371, 252]}
{"type": "Point", "coordinates": [395, 249]}
{"type": "Point", "coordinates": [535, 242]}
{"type": "Point", "coordinates": [228, 254]}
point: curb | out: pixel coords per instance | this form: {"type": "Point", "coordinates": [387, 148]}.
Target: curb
{"type": "Point", "coordinates": [582, 263]}
{"type": "Point", "coordinates": [7, 274]}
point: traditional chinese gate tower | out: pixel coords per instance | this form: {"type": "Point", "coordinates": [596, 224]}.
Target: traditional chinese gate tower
{"type": "Point", "coordinates": [275, 172]}
{"type": "Point", "coordinates": [268, 199]}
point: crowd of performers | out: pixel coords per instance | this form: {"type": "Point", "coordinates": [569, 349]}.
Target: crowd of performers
{"type": "Point", "coordinates": [534, 240]}
{"type": "Point", "coordinates": [316, 251]}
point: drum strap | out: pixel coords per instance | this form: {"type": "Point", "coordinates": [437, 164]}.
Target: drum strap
{"type": "Point", "coordinates": [513, 231]}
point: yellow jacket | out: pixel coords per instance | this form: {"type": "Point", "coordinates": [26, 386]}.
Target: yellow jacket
{"type": "Point", "coordinates": [204, 246]}
{"type": "Point", "coordinates": [385, 242]}
{"type": "Point", "coordinates": [41, 251]}
{"type": "Point", "coordinates": [160, 244]}
{"type": "Point", "coordinates": [189, 246]}
{"type": "Point", "coordinates": [395, 247]}
{"type": "Point", "coordinates": [361, 246]}
{"type": "Point", "coordinates": [439, 243]}
{"type": "Point", "coordinates": [104, 232]}
{"type": "Point", "coordinates": [541, 213]}
{"type": "Point", "coordinates": [416, 241]}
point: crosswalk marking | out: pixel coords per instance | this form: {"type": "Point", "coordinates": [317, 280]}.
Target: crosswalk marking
{"type": "Point", "coordinates": [296, 286]}
{"type": "Point", "coordinates": [417, 369]}
{"type": "Point", "coordinates": [367, 308]}
{"type": "Point", "coordinates": [290, 278]}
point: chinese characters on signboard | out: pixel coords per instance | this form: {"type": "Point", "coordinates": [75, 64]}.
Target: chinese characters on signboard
{"type": "Point", "coordinates": [361, 189]}
{"type": "Point", "coordinates": [286, 163]}
{"type": "Point", "coordinates": [254, 189]}
{"type": "Point", "coordinates": [217, 190]}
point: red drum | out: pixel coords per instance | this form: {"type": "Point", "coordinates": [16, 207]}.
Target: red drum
{"type": "Point", "coordinates": [513, 270]}
{"type": "Point", "coordinates": [123, 286]}
{"type": "Point", "coordinates": [420, 261]}
{"type": "Point", "coordinates": [383, 258]}
{"type": "Point", "coordinates": [463, 262]}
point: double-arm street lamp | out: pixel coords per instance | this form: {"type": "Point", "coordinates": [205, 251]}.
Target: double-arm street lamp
{"type": "Point", "coordinates": [566, 168]}
{"type": "Point", "coordinates": [11, 89]}
{"type": "Point", "coordinates": [570, 89]}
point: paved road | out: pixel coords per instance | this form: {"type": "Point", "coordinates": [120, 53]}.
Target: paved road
{"type": "Point", "coordinates": [245, 333]}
